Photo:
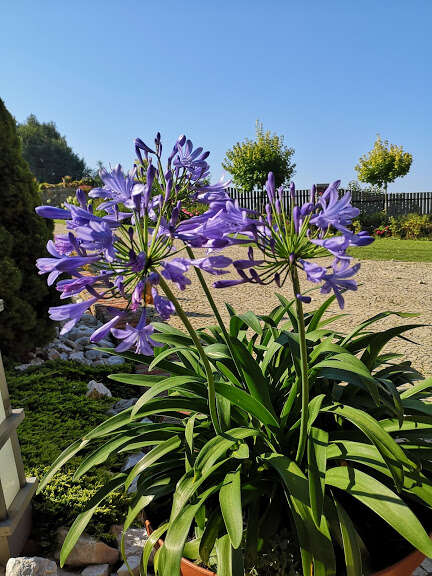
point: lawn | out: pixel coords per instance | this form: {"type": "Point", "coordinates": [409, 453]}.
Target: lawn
{"type": "Point", "coordinates": [395, 249]}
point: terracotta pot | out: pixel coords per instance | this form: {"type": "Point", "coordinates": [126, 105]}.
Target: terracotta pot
{"type": "Point", "coordinates": [402, 568]}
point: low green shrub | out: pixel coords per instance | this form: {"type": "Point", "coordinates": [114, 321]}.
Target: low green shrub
{"type": "Point", "coordinates": [370, 222]}
{"type": "Point", "coordinates": [57, 409]}
{"type": "Point", "coordinates": [412, 226]}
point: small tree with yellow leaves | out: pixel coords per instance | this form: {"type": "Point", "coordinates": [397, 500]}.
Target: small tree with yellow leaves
{"type": "Point", "coordinates": [383, 164]}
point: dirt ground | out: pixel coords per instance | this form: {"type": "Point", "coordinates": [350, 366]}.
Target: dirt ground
{"type": "Point", "coordinates": [385, 285]}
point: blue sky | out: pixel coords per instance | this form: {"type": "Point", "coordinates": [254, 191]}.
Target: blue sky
{"type": "Point", "coordinates": [327, 75]}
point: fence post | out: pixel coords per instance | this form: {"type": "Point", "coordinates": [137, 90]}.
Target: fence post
{"type": "Point", "coordinates": [16, 491]}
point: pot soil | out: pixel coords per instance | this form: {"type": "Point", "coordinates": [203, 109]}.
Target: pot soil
{"type": "Point", "coordinates": [402, 568]}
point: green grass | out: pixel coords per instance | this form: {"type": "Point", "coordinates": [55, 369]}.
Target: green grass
{"type": "Point", "coordinates": [395, 249]}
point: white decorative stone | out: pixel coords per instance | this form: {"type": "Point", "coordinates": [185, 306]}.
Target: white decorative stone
{"type": "Point", "coordinates": [34, 566]}
{"type": "Point", "coordinates": [88, 320]}
{"type": "Point", "coordinates": [77, 357]}
{"type": "Point", "coordinates": [132, 460]}
{"type": "Point", "coordinates": [105, 343]}
{"type": "Point", "coordinates": [121, 405]}
{"type": "Point", "coordinates": [87, 551]}
{"type": "Point", "coordinates": [82, 341]}
{"type": "Point", "coordinates": [97, 390]}
{"type": "Point", "coordinates": [96, 570]}
{"type": "Point", "coordinates": [134, 541]}
{"type": "Point", "coordinates": [114, 360]}
{"type": "Point", "coordinates": [92, 354]}
{"type": "Point", "coordinates": [22, 367]}
{"type": "Point", "coordinates": [134, 565]}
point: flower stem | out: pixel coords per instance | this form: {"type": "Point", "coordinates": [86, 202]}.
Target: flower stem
{"type": "Point", "coordinates": [207, 367]}
{"type": "Point", "coordinates": [208, 295]}
{"type": "Point", "coordinates": [304, 366]}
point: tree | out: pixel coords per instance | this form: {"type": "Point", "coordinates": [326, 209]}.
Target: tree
{"type": "Point", "coordinates": [24, 323]}
{"type": "Point", "coordinates": [250, 161]}
{"type": "Point", "coordinates": [47, 152]}
{"type": "Point", "coordinates": [383, 164]}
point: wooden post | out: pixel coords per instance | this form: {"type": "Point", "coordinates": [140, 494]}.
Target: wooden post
{"type": "Point", "coordinates": [16, 491]}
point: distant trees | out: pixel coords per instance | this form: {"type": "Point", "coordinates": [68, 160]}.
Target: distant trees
{"type": "Point", "coordinates": [47, 152]}
{"type": "Point", "coordinates": [383, 164]}
{"type": "Point", "coordinates": [250, 161]}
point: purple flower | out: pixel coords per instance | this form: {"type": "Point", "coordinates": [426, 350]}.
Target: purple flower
{"type": "Point", "coordinates": [63, 243]}
{"type": "Point", "coordinates": [138, 337]}
{"type": "Point", "coordinates": [314, 273]}
{"type": "Point", "coordinates": [52, 213]}
{"type": "Point", "coordinates": [334, 211]}
{"type": "Point", "coordinates": [174, 270]}
{"type": "Point", "coordinates": [164, 307]}
{"type": "Point", "coordinates": [118, 187]}
{"type": "Point", "coordinates": [97, 236]}
{"type": "Point", "coordinates": [339, 281]}
{"type": "Point", "coordinates": [191, 160]}
{"type": "Point", "coordinates": [74, 286]}
{"type": "Point", "coordinates": [101, 332]}
{"type": "Point", "coordinates": [212, 264]}
{"type": "Point", "coordinates": [71, 312]}
{"type": "Point", "coordinates": [55, 266]}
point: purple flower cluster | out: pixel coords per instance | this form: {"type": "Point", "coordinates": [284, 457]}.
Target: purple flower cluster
{"type": "Point", "coordinates": [133, 239]}
{"type": "Point", "coordinates": [317, 228]}
{"type": "Point", "coordinates": [131, 246]}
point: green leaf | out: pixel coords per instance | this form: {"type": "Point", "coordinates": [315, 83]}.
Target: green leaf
{"type": "Point", "coordinates": [231, 507]}
{"type": "Point", "coordinates": [177, 533]}
{"type": "Point", "coordinates": [389, 449]}
{"type": "Point", "coordinates": [137, 379]}
{"type": "Point", "coordinates": [360, 328]}
{"type": "Point", "coordinates": [84, 518]}
{"type": "Point", "coordinates": [164, 385]}
{"type": "Point", "coordinates": [317, 464]}
{"type": "Point", "coordinates": [217, 351]}
{"type": "Point", "coordinates": [315, 542]}
{"type": "Point", "coordinates": [210, 534]}
{"type": "Point", "coordinates": [246, 402]}
{"type": "Point", "coordinates": [414, 390]}
{"type": "Point", "coordinates": [173, 339]}
{"type": "Point", "coordinates": [229, 375]}
{"type": "Point", "coordinates": [384, 502]}
{"type": "Point", "coordinates": [254, 378]}
{"type": "Point", "coordinates": [224, 558]}
{"type": "Point", "coordinates": [316, 317]}
{"type": "Point", "coordinates": [150, 544]}
{"type": "Point", "coordinates": [350, 541]}
{"type": "Point", "coordinates": [153, 456]}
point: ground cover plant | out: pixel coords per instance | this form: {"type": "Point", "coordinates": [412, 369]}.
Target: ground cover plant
{"type": "Point", "coordinates": [57, 409]}
{"type": "Point", "coordinates": [280, 422]}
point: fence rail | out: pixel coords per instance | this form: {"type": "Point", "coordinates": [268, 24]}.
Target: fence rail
{"type": "Point", "coordinates": [398, 203]}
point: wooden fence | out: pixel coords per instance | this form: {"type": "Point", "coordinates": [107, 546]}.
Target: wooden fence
{"type": "Point", "coordinates": [398, 204]}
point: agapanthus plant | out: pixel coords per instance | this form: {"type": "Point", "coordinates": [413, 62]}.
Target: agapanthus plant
{"type": "Point", "coordinates": [277, 422]}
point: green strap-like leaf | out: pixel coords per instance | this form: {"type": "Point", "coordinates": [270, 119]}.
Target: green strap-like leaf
{"type": "Point", "coordinates": [84, 518]}
{"type": "Point", "coordinates": [151, 457]}
{"type": "Point", "coordinates": [350, 541]}
{"type": "Point", "coordinates": [420, 387]}
{"type": "Point", "coordinates": [164, 385]}
{"type": "Point", "coordinates": [251, 370]}
{"type": "Point", "coordinates": [384, 502]}
{"type": "Point", "coordinates": [317, 463]}
{"type": "Point", "coordinates": [246, 402]}
{"type": "Point", "coordinates": [150, 544]}
{"type": "Point", "coordinates": [231, 507]}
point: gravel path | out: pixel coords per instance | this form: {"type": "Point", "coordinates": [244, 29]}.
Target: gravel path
{"type": "Point", "coordinates": [387, 285]}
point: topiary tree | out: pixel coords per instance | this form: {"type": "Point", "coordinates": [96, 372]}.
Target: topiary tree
{"type": "Point", "coordinates": [383, 164]}
{"type": "Point", "coordinates": [47, 152]}
{"type": "Point", "coordinates": [250, 161]}
{"type": "Point", "coordinates": [23, 235]}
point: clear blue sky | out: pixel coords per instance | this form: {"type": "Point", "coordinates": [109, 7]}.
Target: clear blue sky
{"type": "Point", "coordinates": [328, 75]}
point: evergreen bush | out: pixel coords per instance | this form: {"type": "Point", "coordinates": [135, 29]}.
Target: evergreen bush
{"type": "Point", "coordinates": [24, 322]}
